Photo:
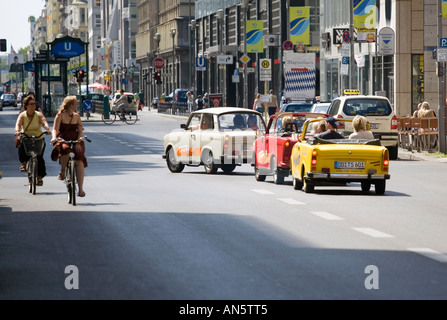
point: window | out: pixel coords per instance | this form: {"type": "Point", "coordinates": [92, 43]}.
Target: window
{"type": "Point", "coordinates": [98, 3]}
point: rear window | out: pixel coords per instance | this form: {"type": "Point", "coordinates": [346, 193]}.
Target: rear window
{"type": "Point", "coordinates": [240, 121]}
{"type": "Point", "coordinates": [367, 107]}
{"type": "Point", "coordinates": [298, 108]}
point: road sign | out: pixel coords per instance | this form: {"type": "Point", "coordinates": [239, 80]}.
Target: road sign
{"type": "Point", "coordinates": [443, 43]}
{"type": "Point", "coordinates": [265, 69]}
{"type": "Point", "coordinates": [87, 105]}
{"type": "Point", "coordinates": [200, 64]}
{"type": "Point", "coordinates": [158, 63]}
{"type": "Point", "coordinates": [224, 59]}
{"type": "Point", "coordinates": [245, 59]}
{"type": "Point", "coordinates": [287, 45]}
{"type": "Point", "coordinates": [442, 55]}
{"type": "Point", "coordinates": [346, 36]}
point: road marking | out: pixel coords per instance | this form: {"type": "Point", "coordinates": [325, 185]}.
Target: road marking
{"type": "Point", "coordinates": [430, 253]}
{"type": "Point", "coordinates": [260, 191]}
{"type": "Point", "coordinates": [290, 201]}
{"type": "Point", "coordinates": [373, 233]}
{"type": "Point", "coordinates": [326, 215]}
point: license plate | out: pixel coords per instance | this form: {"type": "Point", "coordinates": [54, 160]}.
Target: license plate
{"type": "Point", "coordinates": [349, 165]}
{"type": "Point", "coordinates": [374, 126]}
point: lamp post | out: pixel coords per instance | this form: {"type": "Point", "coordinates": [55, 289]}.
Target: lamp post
{"type": "Point", "coordinates": [173, 32]}
{"type": "Point", "coordinates": [244, 7]}
{"type": "Point", "coordinates": [194, 54]}
{"type": "Point", "coordinates": [157, 38]}
{"type": "Point", "coordinates": [220, 17]}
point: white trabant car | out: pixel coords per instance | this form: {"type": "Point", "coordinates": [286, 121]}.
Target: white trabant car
{"type": "Point", "coordinates": [215, 138]}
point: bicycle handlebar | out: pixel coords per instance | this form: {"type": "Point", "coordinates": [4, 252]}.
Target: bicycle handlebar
{"type": "Point", "coordinates": [72, 141]}
{"type": "Point", "coordinates": [35, 137]}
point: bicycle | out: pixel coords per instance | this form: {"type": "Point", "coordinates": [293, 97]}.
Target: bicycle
{"type": "Point", "coordinates": [70, 170]}
{"type": "Point", "coordinates": [127, 117]}
{"type": "Point", "coordinates": [33, 148]}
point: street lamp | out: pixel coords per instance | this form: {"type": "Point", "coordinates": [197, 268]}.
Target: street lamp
{"type": "Point", "coordinates": [244, 7]}
{"type": "Point", "coordinates": [173, 32]}
{"type": "Point", "coordinates": [157, 38]}
{"type": "Point", "coordinates": [192, 64]}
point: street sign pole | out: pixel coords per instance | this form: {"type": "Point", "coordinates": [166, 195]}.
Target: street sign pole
{"type": "Point", "coordinates": [441, 87]}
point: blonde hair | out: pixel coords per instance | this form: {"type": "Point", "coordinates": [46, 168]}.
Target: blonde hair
{"type": "Point", "coordinates": [359, 123]}
{"type": "Point", "coordinates": [68, 101]}
{"type": "Point", "coordinates": [425, 110]}
{"type": "Point", "coordinates": [258, 96]}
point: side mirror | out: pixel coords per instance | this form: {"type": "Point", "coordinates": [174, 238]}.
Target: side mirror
{"type": "Point", "coordinates": [183, 126]}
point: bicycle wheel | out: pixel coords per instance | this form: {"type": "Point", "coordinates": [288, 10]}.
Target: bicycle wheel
{"type": "Point", "coordinates": [130, 118]}
{"type": "Point", "coordinates": [68, 182]}
{"type": "Point", "coordinates": [73, 183]}
{"type": "Point", "coordinates": [34, 164]}
{"type": "Point", "coordinates": [111, 119]}
{"type": "Point", "coordinates": [32, 175]}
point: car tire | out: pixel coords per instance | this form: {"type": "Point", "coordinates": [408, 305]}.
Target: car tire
{"type": "Point", "coordinates": [297, 184]}
{"type": "Point", "coordinates": [258, 176]}
{"type": "Point", "coordinates": [277, 179]}
{"type": "Point", "coordinates": [307, 186]}
{"type": "Point", "coordinates": [173, 165]}
{"type": "Point", "coordinates": [228, 168]}
{"type": "Point", "coordinates": [208, 162]}
{"type": "Point", "coordinates": [393, 151]}
{"type": "Point", "coordinates": [366, 186]}
{"type": "Point", "coordinates": [380, 187]}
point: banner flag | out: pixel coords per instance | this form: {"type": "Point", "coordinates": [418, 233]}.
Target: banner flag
{"type": "Point", "coordinates": [300, 25]}
{"type": "Point", "coordinates": [255, 36]}
{"type": "Point", "coordinates": [444, 8]}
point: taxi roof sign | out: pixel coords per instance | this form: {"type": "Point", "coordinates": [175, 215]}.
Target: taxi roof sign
{"type": "Point", "coordinates": [351, 92]}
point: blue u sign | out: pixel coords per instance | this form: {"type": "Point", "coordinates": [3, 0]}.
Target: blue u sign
{"type": "Point", "coordinates": [67, 49]}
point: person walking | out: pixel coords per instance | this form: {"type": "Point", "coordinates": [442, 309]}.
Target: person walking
{"type": "Point", "coordinates": [31, 122]}
{"type": "Point", "coordinates": [199, 102]}
{"type": "Point", "coordinates": [257, 105]}
{"type": "Point", "coordinates": [273, 104]}
{"type": "Point", "coordinates": [68, 126]}
{"type": "Point", "coordinates": [206, 100]}
{"type": "Point", "coordinates": [190, 100]}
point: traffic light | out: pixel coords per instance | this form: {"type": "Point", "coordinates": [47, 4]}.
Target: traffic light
{"type": "Point", "coordinates": [3, 45]}
{"type": "Point", "coordinates": [80, 75]}
{"type": "Point", "coordinates": [157, 77]}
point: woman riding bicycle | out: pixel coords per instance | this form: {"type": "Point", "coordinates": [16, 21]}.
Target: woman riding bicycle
{"type": "Point", "coordinates": [68, 126]}
{"type": "Point", "coordinates": [31, 122]}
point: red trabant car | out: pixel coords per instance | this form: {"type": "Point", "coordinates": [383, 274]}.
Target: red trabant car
{"type": "Point", "coordinates": [271, 152]}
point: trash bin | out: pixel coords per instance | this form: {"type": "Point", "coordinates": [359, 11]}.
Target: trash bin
{"type": "Point", "coordinates": [106, 107]}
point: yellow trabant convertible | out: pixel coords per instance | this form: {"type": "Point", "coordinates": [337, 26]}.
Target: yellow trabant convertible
{"type": "Point", "coordinates": [318, 162]}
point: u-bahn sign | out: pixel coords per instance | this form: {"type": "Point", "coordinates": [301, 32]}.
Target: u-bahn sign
{"type": "Point", "coordinates": [68, 47]}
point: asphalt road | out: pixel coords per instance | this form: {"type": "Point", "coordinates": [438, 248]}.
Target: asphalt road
{"type": "Point", "coordinates": [143, 232]}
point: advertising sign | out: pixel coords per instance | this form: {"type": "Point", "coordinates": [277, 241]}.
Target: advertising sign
{"type": "Point", "coordinates": [364, 17]}
{"type": "Point", "coordinates": [255, 36]}
{"type": "Point", "coordinates": [15, 62]}
{"type": "Point", "coordinates": [300, 25]}
{"type": "Point", "coordinates": [299, 75]}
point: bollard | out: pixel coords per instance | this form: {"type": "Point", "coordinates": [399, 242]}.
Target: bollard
{"type": "Point", "coordinates": [106, 107]}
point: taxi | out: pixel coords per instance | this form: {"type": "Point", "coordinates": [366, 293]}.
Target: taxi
{"type": "Point", "coordinates": [317, 162]}
{"type": "Point", "coordinates": [273, 149]}
{"type": "Point", "coordinates": [217, 138]}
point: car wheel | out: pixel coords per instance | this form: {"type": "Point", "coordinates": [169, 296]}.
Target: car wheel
{"type": "Point", "coordinates": [274, 167]}
{"type": "Point", "coordinates": [173, 164]}
{"type": "Point", "coordinates": [297, 184]}
{"type": "Point", "coordinates": [208, 161]}
{"type": "Point", "coordinates": [258, 176]}
{"type": "Point", "coordinates": [228, 168]}
{"type": "Point", "coordinates": [393, 151]}
{"type": "Point", "coordinates": [366, 186]}
{"type": "Point", "coordinates": [307, 186]}
{"type": "Point", "coordinates": [380, 187]}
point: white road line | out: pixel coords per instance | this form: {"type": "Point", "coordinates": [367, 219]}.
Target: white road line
{"type": "Point", "coordinates": [326, 215]}
{"type": "Point", "coordinates": [260, 191]}
{"type": "Point", "coordinates": [430, 253]}
{"type": "Point", "coordinates": [290, 201]}
{"type": "Point", "coordinates": [373, 233]}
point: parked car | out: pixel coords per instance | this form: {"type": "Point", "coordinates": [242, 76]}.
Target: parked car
{"type": "Point", "coordinates": [272, 151]}
{"type": "Point", "coordinates": [132, 102]}
{"type": "Point", "coordinates": [8, 99]}
{"type": "Point", "coordinates": [377, 110]}
{"type": "Point", "coordinates": [318, 162]}
{"type": "Point", "coordinates": [215, 138]}
{"type": "Point", "coordinates": [296, 107]}
{"type": "Point", "coordinates": [320, 107]}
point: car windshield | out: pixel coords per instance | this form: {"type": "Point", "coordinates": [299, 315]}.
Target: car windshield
{"type": "Point", "coordinates": [289, 123]}
{"type": "Point", "coordinates": [320, 108]}
{"type": "Point", "coordinates": [8, 96]}
{"type": "Point", "coordinates": [297, 107]}
{"type": "Point", "coordinates": [240, 121]}
{"type": "Point", "coordinates": [367, 107]}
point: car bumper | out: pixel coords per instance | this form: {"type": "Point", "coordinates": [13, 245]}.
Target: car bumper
{"type": "Point", "coordinates": [234, 159]}
{"type": "Point", "coordinates": [346, 176]}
